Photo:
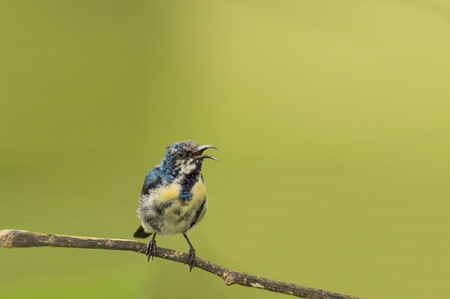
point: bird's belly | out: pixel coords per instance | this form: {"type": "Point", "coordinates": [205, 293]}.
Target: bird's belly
{"type": "Point", "coordinates": [168, 214]}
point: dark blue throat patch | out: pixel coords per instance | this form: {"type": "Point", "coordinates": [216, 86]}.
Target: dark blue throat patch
{"type": "Point", "coordinates": [189, 182]}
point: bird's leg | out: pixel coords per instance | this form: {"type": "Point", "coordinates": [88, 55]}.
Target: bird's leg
{"type": "Point", "coordinates": [191, 257]}
{"type": "Point", "coordinates": [151, 248]}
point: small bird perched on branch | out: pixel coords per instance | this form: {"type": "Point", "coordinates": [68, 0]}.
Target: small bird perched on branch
{"type": "Point", "coordinates": [174, 197]}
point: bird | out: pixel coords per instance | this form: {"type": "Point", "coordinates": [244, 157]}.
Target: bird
{"type": "Point", "coordinates": [174, 197]}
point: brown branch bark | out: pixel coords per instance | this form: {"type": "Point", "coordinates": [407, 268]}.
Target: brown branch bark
{"type": "Point", "coordinates": [22, 238]}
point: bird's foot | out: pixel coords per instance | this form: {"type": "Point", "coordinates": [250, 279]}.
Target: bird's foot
{"type": "Point", "coordinates": [191, 259]}
{"type": "Point", "coordinates": [151, 249]}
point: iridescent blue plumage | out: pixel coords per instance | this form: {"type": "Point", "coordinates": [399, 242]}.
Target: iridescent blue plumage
{"type": "Point", "coordinates": [152, 179]}
{"type": "Point", "coordinates": [174, 197]}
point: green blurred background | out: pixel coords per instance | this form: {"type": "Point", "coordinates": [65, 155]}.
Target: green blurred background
{"type": "Point", "coordinates": [332, 119]}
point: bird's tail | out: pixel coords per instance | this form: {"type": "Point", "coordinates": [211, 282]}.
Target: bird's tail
{"type": "Point", "coordinates": [140, 233]}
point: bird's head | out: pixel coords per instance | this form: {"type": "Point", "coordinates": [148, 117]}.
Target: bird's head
{"type": "Point", "coordinates": [184, 157]}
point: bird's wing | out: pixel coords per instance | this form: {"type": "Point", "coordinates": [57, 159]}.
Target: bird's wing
{"type": "Point", "coordinates": [152, 179]}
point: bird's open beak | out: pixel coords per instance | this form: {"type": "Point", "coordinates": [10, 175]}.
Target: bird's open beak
{"type": "Point", "coordinates": [197, 153]}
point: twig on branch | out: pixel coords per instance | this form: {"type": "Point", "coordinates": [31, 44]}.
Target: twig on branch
{"type": "Point", "coordinates": [21, 238]}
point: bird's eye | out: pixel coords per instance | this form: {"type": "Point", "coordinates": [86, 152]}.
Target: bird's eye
{"type": "Point", "coordinates": [180, 154]}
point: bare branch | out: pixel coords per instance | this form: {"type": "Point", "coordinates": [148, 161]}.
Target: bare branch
{"type": "Point", "coordinates": [22, 238]}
